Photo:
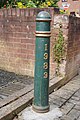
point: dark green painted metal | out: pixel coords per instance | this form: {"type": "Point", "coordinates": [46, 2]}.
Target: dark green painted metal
{"type": "Point", "coordinates": [42, 54]}
{"type": "Point", "coordinates": [40, 26]}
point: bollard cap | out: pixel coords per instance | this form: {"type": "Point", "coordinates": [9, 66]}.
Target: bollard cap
{"type": "Point", "coordinates": [43, 15]}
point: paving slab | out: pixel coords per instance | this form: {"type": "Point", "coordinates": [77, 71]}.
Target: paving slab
{"type": "Point", "coordinates": [75, 102]}
{"type": "Point", "coordinates": [10, 83]}
{"type": "Point", "coordinates": [11, 88]}
{"type": "Point", "coordinates": [74, 114]}
{"type": "Point", "coordinates": [7, 77]}
{"type": "Point", "coordinates": [78, 118]}
{"type": "Point", "coordinates": [66, 100]}
{"type": "Point", "coordinates": [2, 96]}
{"type": "Point", "coordinates": [61, 99]}
{"type": "Point", "coordinates": [16, 95]}
{"type": "Point", "coordinates": [63, 93]}
{"type": "Point", "coordinates": [9, 111]}
{"type": "Point", "coordinates": [73, 85]}
{"type": "Point", "coordinates": [75, 97]}
{"type": "Point", "coordinates": [57, 100]}
{"type": "Point", "coordinates": [66, 108]}
{"type": "Point", "coordinates": [77, 107]}
{"type": "Point", "coordinates": [18, 100]}
{"type": "Point", "coordinates": [66, 117]}
{"type": "Point", "coordinates": [78, 93]}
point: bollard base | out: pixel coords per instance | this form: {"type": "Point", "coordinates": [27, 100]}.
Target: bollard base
{"type": "Point", "coordinates": [40, 109]}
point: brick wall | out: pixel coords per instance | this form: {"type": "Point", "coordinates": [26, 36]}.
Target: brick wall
{"type": "Point", "coordinates": [17, 39]}
{"type": "Point", "coordinates": [73, 47]}
{"type": "Point", "coordinates": [71, 32]}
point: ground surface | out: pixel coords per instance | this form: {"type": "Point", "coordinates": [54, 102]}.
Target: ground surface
{"type": "Point", "coordinates": [67, 99]}
{"type": "Point", "coordinates": [11, 82]}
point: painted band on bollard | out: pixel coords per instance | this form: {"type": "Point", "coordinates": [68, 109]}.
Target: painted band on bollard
{"type": "Point", "coordinates": [42, 54]}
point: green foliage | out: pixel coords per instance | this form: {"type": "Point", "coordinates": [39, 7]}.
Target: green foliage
{"type": "Point", "coordinates": [62, 12]}
{"type": "Point", "coordinates": [59, 50]}
{"type": "Point", "coordinates": [28, 3]}
{"type": "Point", "coordinates": [31, 4]}
{"type": "Point", "coordinates": [48, 3]}
{"type": "Point", "coordinates": [23, 4]}
{"type": "Point", "coordinates": [7, 3]}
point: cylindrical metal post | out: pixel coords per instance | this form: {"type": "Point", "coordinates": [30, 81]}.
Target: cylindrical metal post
{"type": "Point", "coordinates": [41, 78]}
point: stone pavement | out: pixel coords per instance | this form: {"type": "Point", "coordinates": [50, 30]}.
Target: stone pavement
{"type": "Point", "coordinates": [11, 83]}
{"type": "Point", "coordinates": [16, 93]}
{"type": "Point", "coordinates": [67, 99]}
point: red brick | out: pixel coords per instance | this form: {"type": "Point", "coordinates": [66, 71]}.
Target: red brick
{"type": "Point", "coordinates": [9, 12]}
{"type": "Point", "coordinates": [5, 12]}
{"type": "Point", "coordinates": [24, 51]}
{"type": "Point", "coordinates": [31, 12]}
{"type": "Point", "coordinates": [31, 57]}
{"type": "Point", "coordinates": [30, 46]}
{"type": "Point", "coordinates": [30, 51]}
{"type": "Point", "coordinates": [20, 45]}
{"type": "Point", "coordinates": [17, 40]}
{"type": "Point", "coordinates": [27, 40]}
{"type": "Point", "coordinates": [24, 40]}
{"type": "Point", "coordinates": [1, 13]}
{"type": "Point", "coordinates": [13, 11]}
{"type": "Point", "coordinates": [26, 13]}
{"type": "Point", "coordinates": [22, 12]}
{"type": "Point", "coordinates": [19, 55]}
{"type": "Point", "coordinates": [10, 44]}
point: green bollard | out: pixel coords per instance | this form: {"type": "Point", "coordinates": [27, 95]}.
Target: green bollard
{"type": "Point", "coordinates": [42, 54]}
